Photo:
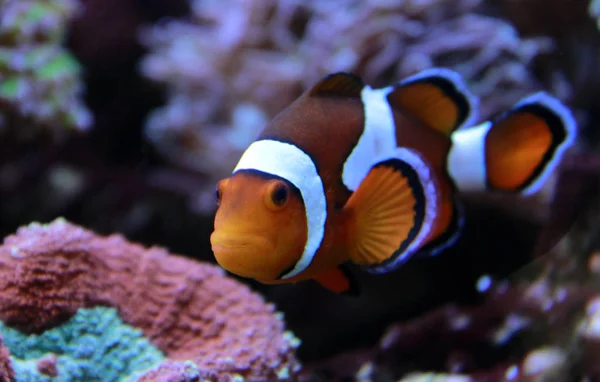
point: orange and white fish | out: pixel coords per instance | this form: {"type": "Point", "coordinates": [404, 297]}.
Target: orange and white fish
{"type": "Point", "coordinates": [351, 173]}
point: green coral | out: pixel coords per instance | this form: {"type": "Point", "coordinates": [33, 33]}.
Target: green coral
{"type": "Point", "coordinates": [39, 80]}
{"type": "Point", "coordinates": [94, 345]}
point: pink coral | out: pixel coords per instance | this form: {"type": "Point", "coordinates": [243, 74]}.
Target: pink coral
{"type": "Point", "coordinates": [48, 366]}
{"type": "Point", "coordinates": [189, 310]}
{"type": "Point", "coordinates": [170, 371]}
{"type": "Point", "coordinates": [7, 373]}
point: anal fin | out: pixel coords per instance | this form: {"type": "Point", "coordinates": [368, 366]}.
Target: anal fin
{"type": "Point", "coordinates": [449, 228]}
{"type": "Point", "coordinates": [338, 280]}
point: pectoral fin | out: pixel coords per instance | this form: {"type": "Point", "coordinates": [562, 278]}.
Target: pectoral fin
{"type": "Point", "coordinates": [392, 212]}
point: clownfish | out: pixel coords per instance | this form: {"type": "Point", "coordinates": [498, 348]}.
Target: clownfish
{"type": "Point", "coordinates": [351, 173]}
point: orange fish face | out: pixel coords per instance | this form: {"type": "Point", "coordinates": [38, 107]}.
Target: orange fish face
{"type": "Point", "coordinates": [260, 226]}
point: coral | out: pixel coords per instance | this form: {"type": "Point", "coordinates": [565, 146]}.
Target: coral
{"type": "Point", "coordinates": [83, 348]}
{"type": "Point", "coordinates": [170, 371]}
{"type": "Point", "coordinates": [6, 370]}
{"type": "Point", "coordinates": [48, 365]}
{"type": "Point", "coordinates": [188, 310]}
{"type": "Point", "coordinates": [39, 80]}
{"type": "Point", "coordinates": [238, 63]}
{"type": "Point", "coordinates": [516, 333]}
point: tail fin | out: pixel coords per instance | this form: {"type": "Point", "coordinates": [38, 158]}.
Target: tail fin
{"type": "Point", "coordinates": [516, 152]}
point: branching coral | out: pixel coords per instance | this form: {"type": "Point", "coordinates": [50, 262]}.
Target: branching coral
{"type": "Point", "coordinates": [189, 311]}
{"type": "Point", "coordinates": [238, 63]}
{"type": "Point", "coordinates": [39, 80]}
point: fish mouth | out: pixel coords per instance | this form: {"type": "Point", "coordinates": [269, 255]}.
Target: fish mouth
{"type": "Point", "coordinates": [225, 242]}
{"type": "Point", "coordinates": [239, 241]}
{"type": "Point", "coordinates": [241, 254]}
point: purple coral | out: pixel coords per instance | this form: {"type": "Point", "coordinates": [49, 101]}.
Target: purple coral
{"type": "Point", "coordinates": [6, 371]}
{"type": "Point", "coordinates": [190, 311]}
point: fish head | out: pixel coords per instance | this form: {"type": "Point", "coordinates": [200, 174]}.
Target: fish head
{"type": "Point", "coordinates": [260, 227]}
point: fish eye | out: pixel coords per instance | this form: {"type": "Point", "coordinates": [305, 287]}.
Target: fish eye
{"type": "Point", "coordinates": [280, 194]}
{"type": "Point", "coordinates": [277, 194]}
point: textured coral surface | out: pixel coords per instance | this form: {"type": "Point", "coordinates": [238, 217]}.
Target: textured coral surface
{"type": "Point", "coordinates": [190, 311]}
{"type": "Point", "coordinates": [93, 345]}
{"type": "Point", "coordinates": [6, 370]}
{"type": "Point", "coordinates": [178, 371]}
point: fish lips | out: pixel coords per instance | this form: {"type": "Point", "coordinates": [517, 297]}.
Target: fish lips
{"type": "Point", "coordinates": [246, 255]}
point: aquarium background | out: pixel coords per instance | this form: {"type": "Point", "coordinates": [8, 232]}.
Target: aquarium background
{"type": "Point", "coordinates": [121, 115]}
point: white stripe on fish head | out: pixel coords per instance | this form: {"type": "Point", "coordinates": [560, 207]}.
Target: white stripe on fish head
{"type": "Point", "coordinates": [287, 161]}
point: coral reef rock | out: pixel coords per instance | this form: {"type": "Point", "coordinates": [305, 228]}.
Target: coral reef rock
{"type": "Point", "coordinates": [190, 311]}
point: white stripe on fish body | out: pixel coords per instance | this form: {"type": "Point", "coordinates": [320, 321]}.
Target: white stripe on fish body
{"type": "Point", "coordinates": [378, 138]}
{"type": "Point", "coordinates": [294, 165]}
{"type": "Point", "coordinates": [466, 159]}
{"type": "Point", "coordinates": [378, 143]}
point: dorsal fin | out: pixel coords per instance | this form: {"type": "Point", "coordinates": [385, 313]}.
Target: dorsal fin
{"type": "Point", "coordinates": [338, 85]}
{"type": "Point", "coordinates": [437, 97]}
